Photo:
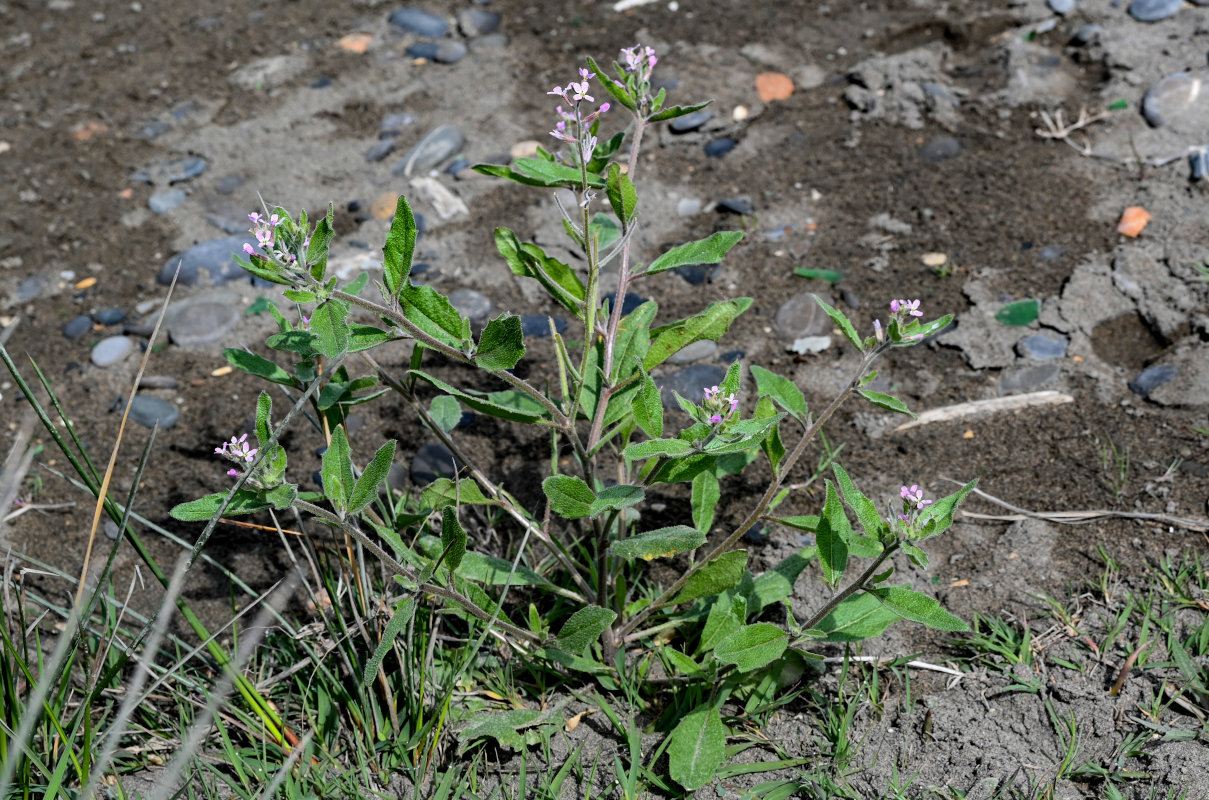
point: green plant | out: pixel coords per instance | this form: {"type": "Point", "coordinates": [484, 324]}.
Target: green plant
{"type": "Point", "coordinates": [603, 410]}
{"type": "Point", "coordinates": [1114, 462]}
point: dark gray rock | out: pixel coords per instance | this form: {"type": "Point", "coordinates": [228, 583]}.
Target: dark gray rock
{"type": "Point", "coordinates": [228, 184]}
{"type": "Point", "coordinates": [444, 52]}
{"type": "Point", "coordinates": [111, 350]}
{"type": "Point", "coordinates": [77, 327]}
{"type": "Point", "coordinates": [537, 325]}
{"type": "Point", "coordinates": [1154, 10]}
{"type": "Point", "coordinates": [322, 82]}
{"type": "Point", "coordinates": [433, 460]}
{"type": "Point", "coordinates": [632, 301]}
{"type": "Point", "coordinates": [30, 288]}
{"type": "Point", "coordinates": [1086, 35]}
{"type": "Point", "coordinates": [227, 216]}
{"type": "Point", "coordinates": [439, 144]}
{"type": "Point", "coordinates": [214, 259]}
{"type": "Point", "coordinates": [691, 122]}
{"type": "Point", "coordinates": [163, 202]}
{"type": "Point", "coordinates": [149, 411]}
{"type": "Point", "coordinates": [474, 22]}
{"type": "Point", "coordinates": [940, 148]}
{"type": "Point", "coordinates": [697, 351]}
{"type": "Point", "coordinates": [1170, 97]}
{"type": "Point", "coordinates": [697, 274]}
{"type": "Point", "coordinates": [736, 205]}
{"type": "Point", "coordinates": [200, 324]}
{"type": "Point", "coordinates": [801, 316]}
{"type": "Point", "coordinates": [109, 316]}
{"type": "Point", "coordinates": [421, 23]}
{"type": "Point", "coordinates": [1198, 163]}
{"type": "Point", "coordinates": [1040, 347]}
{"type": "Point", "coordinates": [168, 172]}
{"type": "Point", "coordinates": [689, 383]}
{"type": "Point", "coordinates": [1026, 379]}
{"type": "Point", "coordinates": [1151, 378]}
{"type": "Point", "coordinates": [380, 150]}
{"type": "Point", "coordinates": [474, 305]}
{"type": "Point", "coordinates": [719, 147]}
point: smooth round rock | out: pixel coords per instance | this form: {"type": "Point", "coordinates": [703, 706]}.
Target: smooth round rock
{"type": "Point", "coordinates": [538, 325]}
{"type": "Point", "coordinates": [111, 529]}
{"type": "Point", "coordinates": [697, 351]}
{"type": "Point", "coordinates": [1198, 163]}
{"type": "Point", "coordinates": [736, 205]}
{"type": "Point", "coordinates": [474, 22]}
{"type": "Point", "coordinates": [111, 350]}
{"type": "Point", "coordinates": [1086, 35]}
{"type": "Point", "coordinates": [689, 383]}
{"type": "Point", "coordinates": [421, 23]}
{"type": "Point", "coordinates": [439, 144]}
{"type": "Point", "coordinates": [163, 202]}
{"type": "Point", "coordinates": [474, 305]}
{"type": "Point", "coordinates": [719, 147]}
{"type": "Point", "coordinates": [175, 171]}
{"type": "Point", "coordinates": [446, 51]}
{"type": "Point", "coordinates": [1040, 347]}
{"type": "Point", "coordinates": [940, 149]}
{"type": "Point", "coordinates": [77, 327]}
{"type": "Point", "coordinates": [800, 316]}
{"type": "Point", "coordinates": [432, 461]}
{"type": "Point", "coordinates": [691, 122]}
{"type": "Point", "coordinates": [632, 301]}
{"type": "Point", "coordinates": [215, 259]}
{"type": "Point", "coordinates": [30, 288]}
{"type": "Point", "coordinates": [1062, 7]}
{"type": "Point", "coordinates": [109, 316]}
{"type": "Point", "coordinates": [149, 411]}
{"type": "Point", "coordinates": [1154, 10]}
{"type": "Point", "coordinates": [1151, 378]}
{"type": "Point", "coordinates": [697, 274]}
{"type": "Point", "coordinates": [688, 206]}
{"type": "Point", "coordinates": [228, 184]}
{"type": "Point", "coordinates": [1170, 97]}
{"type": "Point", "coordinates": [200, 324]}
{"type": "Point", "coordinates": [380, 150]}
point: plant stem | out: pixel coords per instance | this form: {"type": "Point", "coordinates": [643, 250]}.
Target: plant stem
{"type": "Point", "coordinates": [851, 589]}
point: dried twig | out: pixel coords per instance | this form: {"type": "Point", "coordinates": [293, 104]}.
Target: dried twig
{"type": "Point", "coordinates": [1057, 128]}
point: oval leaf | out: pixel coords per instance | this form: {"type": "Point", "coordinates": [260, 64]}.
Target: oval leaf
{"type": "Point", "coordinates": [584, 627]}
{"type": "Point", "coordinates": [569, 496]}
{"type": "Point", "coordinates": [659, 543]}
{"type": "Point", "coordinates": [697, 748]}
{"type": "Point", "coordinates": [703, 251]}
{"type": "Point", "coordinates": [752, 646]}
{"type": "Point", "coordinates": [1019, 313]}
{"type": "Point", "coordinates": [718, 575]}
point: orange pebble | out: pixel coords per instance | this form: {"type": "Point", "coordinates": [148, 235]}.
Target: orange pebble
{"type": "Point", "coordinates": [355, 42]}
{"type": "Point", "coordinates": [87, 283]}
{"type": "Point", "coordinates": [86, 130]}
{"type": "Point", "coordinates": [1133, 221]}
{"type": "Point", "coordinates": [773, 86]}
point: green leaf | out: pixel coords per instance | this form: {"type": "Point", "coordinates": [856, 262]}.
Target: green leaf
{"type": "Point", "coordinates": [859, 617]}
{"type": "Point", "coordinates": [683, 664]}
{"type": "Point", "coordinates": [245, 501]}
{"type": "Point", "coordinates": [330, 329]}
{"type": "Point", "coordinates": [862, 506]}
{"type": "Point", "coordinates": [453, 538]}
{"type": "Point", "coordinates": [616, 498]}
{"type": "Point", "coordinates": [703, 251]}
{"type": "Point", "coordinates": [281, 496]}
{"type": "Point", "coordinates": [772, 445]}
{"type": "Point", "coordinates": [887, 402]}
{"type": "Point", "coordinates": [936, 518]}
{"type": "Point", "coordinates": [264, 410]}
{"type": "Point", "coordinates": [829, 275]}
{"type": "Point", "coordinates": [752, 646]}
{"type": "Point", "coordinates": [301, 342]}
{"type": "Point", "coordinates": [337, 471]}
{"type": "Point", "coordinates": [697, 747]}
{"type": "Point", "coordinates": [711, 323]}
{"type": "Point", "coordinates": [1019, 313]}
{"type": "Point", "coordinates": [621, 194]}
{"type": "Point", "coordinates": [398, 249]}
{"type": "Point", "coordinates": [777, 583]}
{"type": "Point", "coordinates": [918, 607]}
{"type": "Point", "coordinates": [501, 344]}
{"type": "Point", "coordinates": [725, 616]}
{"type": "Point", "coordinates": [657, 447]}
{"type": "Point", "coordinates": [842, 323]}
{"type": "Point", "coordinates": [258, 366]}
{"type": "Point", "coordinates": [366, 487]}
{"type": "Point", "coordinates": [432, 313]}
{"type": "Point", "coordinates": [783, 391]}
{"type": "Point", "coordinates": [603, 231]}
{"type": "Point", "coordinates": [648, 406]}
{"type": "Point", "coordinates": [705, 496]}
{"type": "Point", "coordinates": [443, 492]}
{"type": "Point", "coordinates": [832, 536]}
{"type": "Point", "coordinates": [583, 628]}
{"type": "Point", "coordinates": [299, 296]}
{"type": "Point", "coordinates": [398, 623]}
{"type": "Point", "coordinates": [718, 575]}
{"type": "Point", "coordinates": [316, 251]}
{"type": "Point", "coordinates": [366, 337]}
{"type": "Point", "coordinates": [659, 543]}
{"type": "Point", "coordinates": [530, 261]}
{"type": "Point", "coordinates": [551, 173]}
{"type": "Point", "coordinates": [492, 404]}
{"type": "Point", "coordinates": [494, 571]}
{"type": "Point", "coordinates": [743, 435]}
{"type": "Point", "coordinates": [503, 727]}
{"type": "Point", "coordinates": [569, 496]}
{"type": "Point", "coordinates": [445, 412]}
{"type": "Point", "coordinates": [1119, 105]}
{"type": "Point", "coordinates": [671, 112]}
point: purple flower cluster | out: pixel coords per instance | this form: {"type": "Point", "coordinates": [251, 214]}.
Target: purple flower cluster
{"type": "Point", "coordinates": [640, 61]}
{"type": "Point", "coordinates": [902, 311]}
{"type": "Point", "coordinates": [238, 450]}
{"type": "Point", "coordinates": [913, 502]}
{"type": "Point", "coordinates": [265, 230]}
{"type": "Point", "coordinates": [721, 408]}
{"type": "Point", "coordinates": [574, 94]}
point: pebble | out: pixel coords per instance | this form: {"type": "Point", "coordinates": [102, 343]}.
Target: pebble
{"type": "Point", "coordinates": [1198, 163]}
{"type": "Point", "coordinates": [215, 258]}
{"type": "Point", "coordinates": [149, 411]}
{"type": "Point", "coordinates": [1086, 35]}
{"type": "Point", "coordinates": [492, 41]}
{"type": "Point", "coordinates": [457, 166]}
{"type": "Point", "coordinates": [380, 150]}
{"type": "Point", "coordinates": [200, 324]}
{"type": "Point", "coordinates": [474, 305]}
{"type": "Point", "coordinates": [175, 171]}
{"type": "Point", "coordinates": [77, 327]}
{"type": "Point", "coordinates": [444, 52]}
{"type": "Point", "coordinates": [322, 82]}
{"type": "Point", "coordinates": [227, 216]}
{"type": "Point", "coordinates": [691, 122]}
{"type": "Point", "coordinates": [1040, 347]}
{"type": "Point", "coordinates": [152, 129]}
{"type": "Point", "coordinates": [158, 382]}
{"type": "Point", "coordinates": [421, 23]}
{"type": "Point", "coordinates": [30, 288]}
{"type": "Point", "coordinates": [697, 351]}
{"type": "Point", "coordinates": [688, 383]}
{"type": "Point", "coordinates": [1154, 10]}
{"type": "Point", "coordinates": [688, 206]}
{"type": "Point", "coordinates": [433, 460]}
{"type": "Point", "coordinates": [163, 202]}
{"type": "Point", "coordinates": [111, 350]}
{"type": "Point", "coordinates": [772, 86]}
{"type": "Point", "coordinates": [537, 325]}
{"type": "Point", "coordinates": [1062, 7]}
{"type": "Point", "coordinates": [731, 356]}
{"type": "Point", "coordinates": [109, 316]}
{"type": "Point", "coordinates": [632, 301]}
{"type": "Point", "coordinates": [1170, 97]}
{"type": "Point", "coordinates": [474, 22]}
{"type": "Point", "coordinates": [850, 299]}
{"type": "Point", "coordinates": [719, 147]}
{"type": "Point", "coordinates": [1051, 252]}
{"type": "Point", "coordinates": [228, 184]}
{"type": "Point", "coordinates": [696, 274]}
{"type": "Point", "coordinates": [1151, 378]}
{"type": "Point", "coordinates": [809, 344]}
{"type": "Point", "coordinates": [736, 205]}
{"type": "Point", "coordinates": [800, 316]}
{"type": "Point", "coordinates": [440, 143]}
{"type": "Point", "coordinates": [940, 149]}
{"type": "Point", "coordinates": [111, 529]}
{"type": "Point", "coordinates": [1025, 379]}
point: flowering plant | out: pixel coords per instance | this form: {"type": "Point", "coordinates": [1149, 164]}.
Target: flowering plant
{"type": "Point", "coordinates": [603, 406]}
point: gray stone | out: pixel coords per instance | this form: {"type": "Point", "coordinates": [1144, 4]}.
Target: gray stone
{"type": "Point", "coordinates": [214, 258]}
{"type": "Point", "coordinates": [538, 325]}
{"type": "Point", "coordinates": [1152, 378]}
{"type": "Point", "coordinates": [688, 206]}
{"type": "Point", "coordinates": [474, 22]}
{"type": "Point", "coordinates": [1154, 10]}
{"type": "Point", "coordinates": [151, 411]}
{"type": "Point", "coordinates": [697, 351]}
{"type": "Point", "coordinates": [697, 274]}
{"type": "Point", "coordinates": [77, 327]}
{"type": "Point", "coordinates": [1086, 35]}
{"type": "Point", "coordinates": [719, 147]}
{"type": "Point", "coordinates": [109, 316]}
{"type": "Point", "coordinates": [228, 184]}
{"type": "Point", "coordinates": [1062, 7]}
{"type": "Point", "coordinates": [492, 41]}
{"type": "Point", "coordinates": [1040, 347]}
{"type": "Point", "coordinates": [1198, 163]}
{"type": "Point", "coordinates": [1170, 97]}
{"type": "Point", "coordinates": [446, 51]}
{"type": "Point", "coordinates": [380, 150]}
{"type": "Point", "coordinates": [30, 288]}
{"type": "Point", "coordinates": [740, 204]}
{"type": "Point", "coordinates": [227, 216]}
{"type": "Point", "coordinates": [168, 172]}
{"type": "Point", "coordinates": [152, 129]}
{"type": "Point", "coordinates": [1026, 379]}
{"type": "Point", "coordinates": [111, 529]}
{"type": "Point", "coordinates": [163, 202]}
{"type": "Point", "coordinates": [1189, 387]}
{"type": "Point", "coordinates": [111, 350]}
{"type": "Point", "coordinates": [200, 324]}
{"type": "Point", "coordinates": [270, 72]}
{"type": "Point", "coordinates": [421, 23]}
{"type": "Point", "coordinates": [800, 316]}
{"type": "Point", "coordinates": [158, 382]}
{"type": "Point", "coordinates": [432, 461]}
{"type": "Point", "coordinates": [691, 122]}
{"type": "Point", "coordinates": [441, 143]}
{"type": "Point", "coordinates": [475, 305]}
{"type": "Point", "coordinates": [940, 149]}
{"type": "Point", "coordinates": [393, 124]}
{"type": "Point", "coordinates": [688, 383]}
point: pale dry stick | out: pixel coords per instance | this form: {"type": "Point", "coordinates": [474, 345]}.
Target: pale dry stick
{"type": "Point", "coordinates": [979, 407]}
{"type": "Point", "coordinates": [1077, 517]}
{"type": "Point", "coordinates": [884, 661]}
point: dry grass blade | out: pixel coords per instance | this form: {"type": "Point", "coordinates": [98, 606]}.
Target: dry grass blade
{"type": "Point", "coordinates": [16, 467]}
{"type": "Point", "coordinates": [979, 407]}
